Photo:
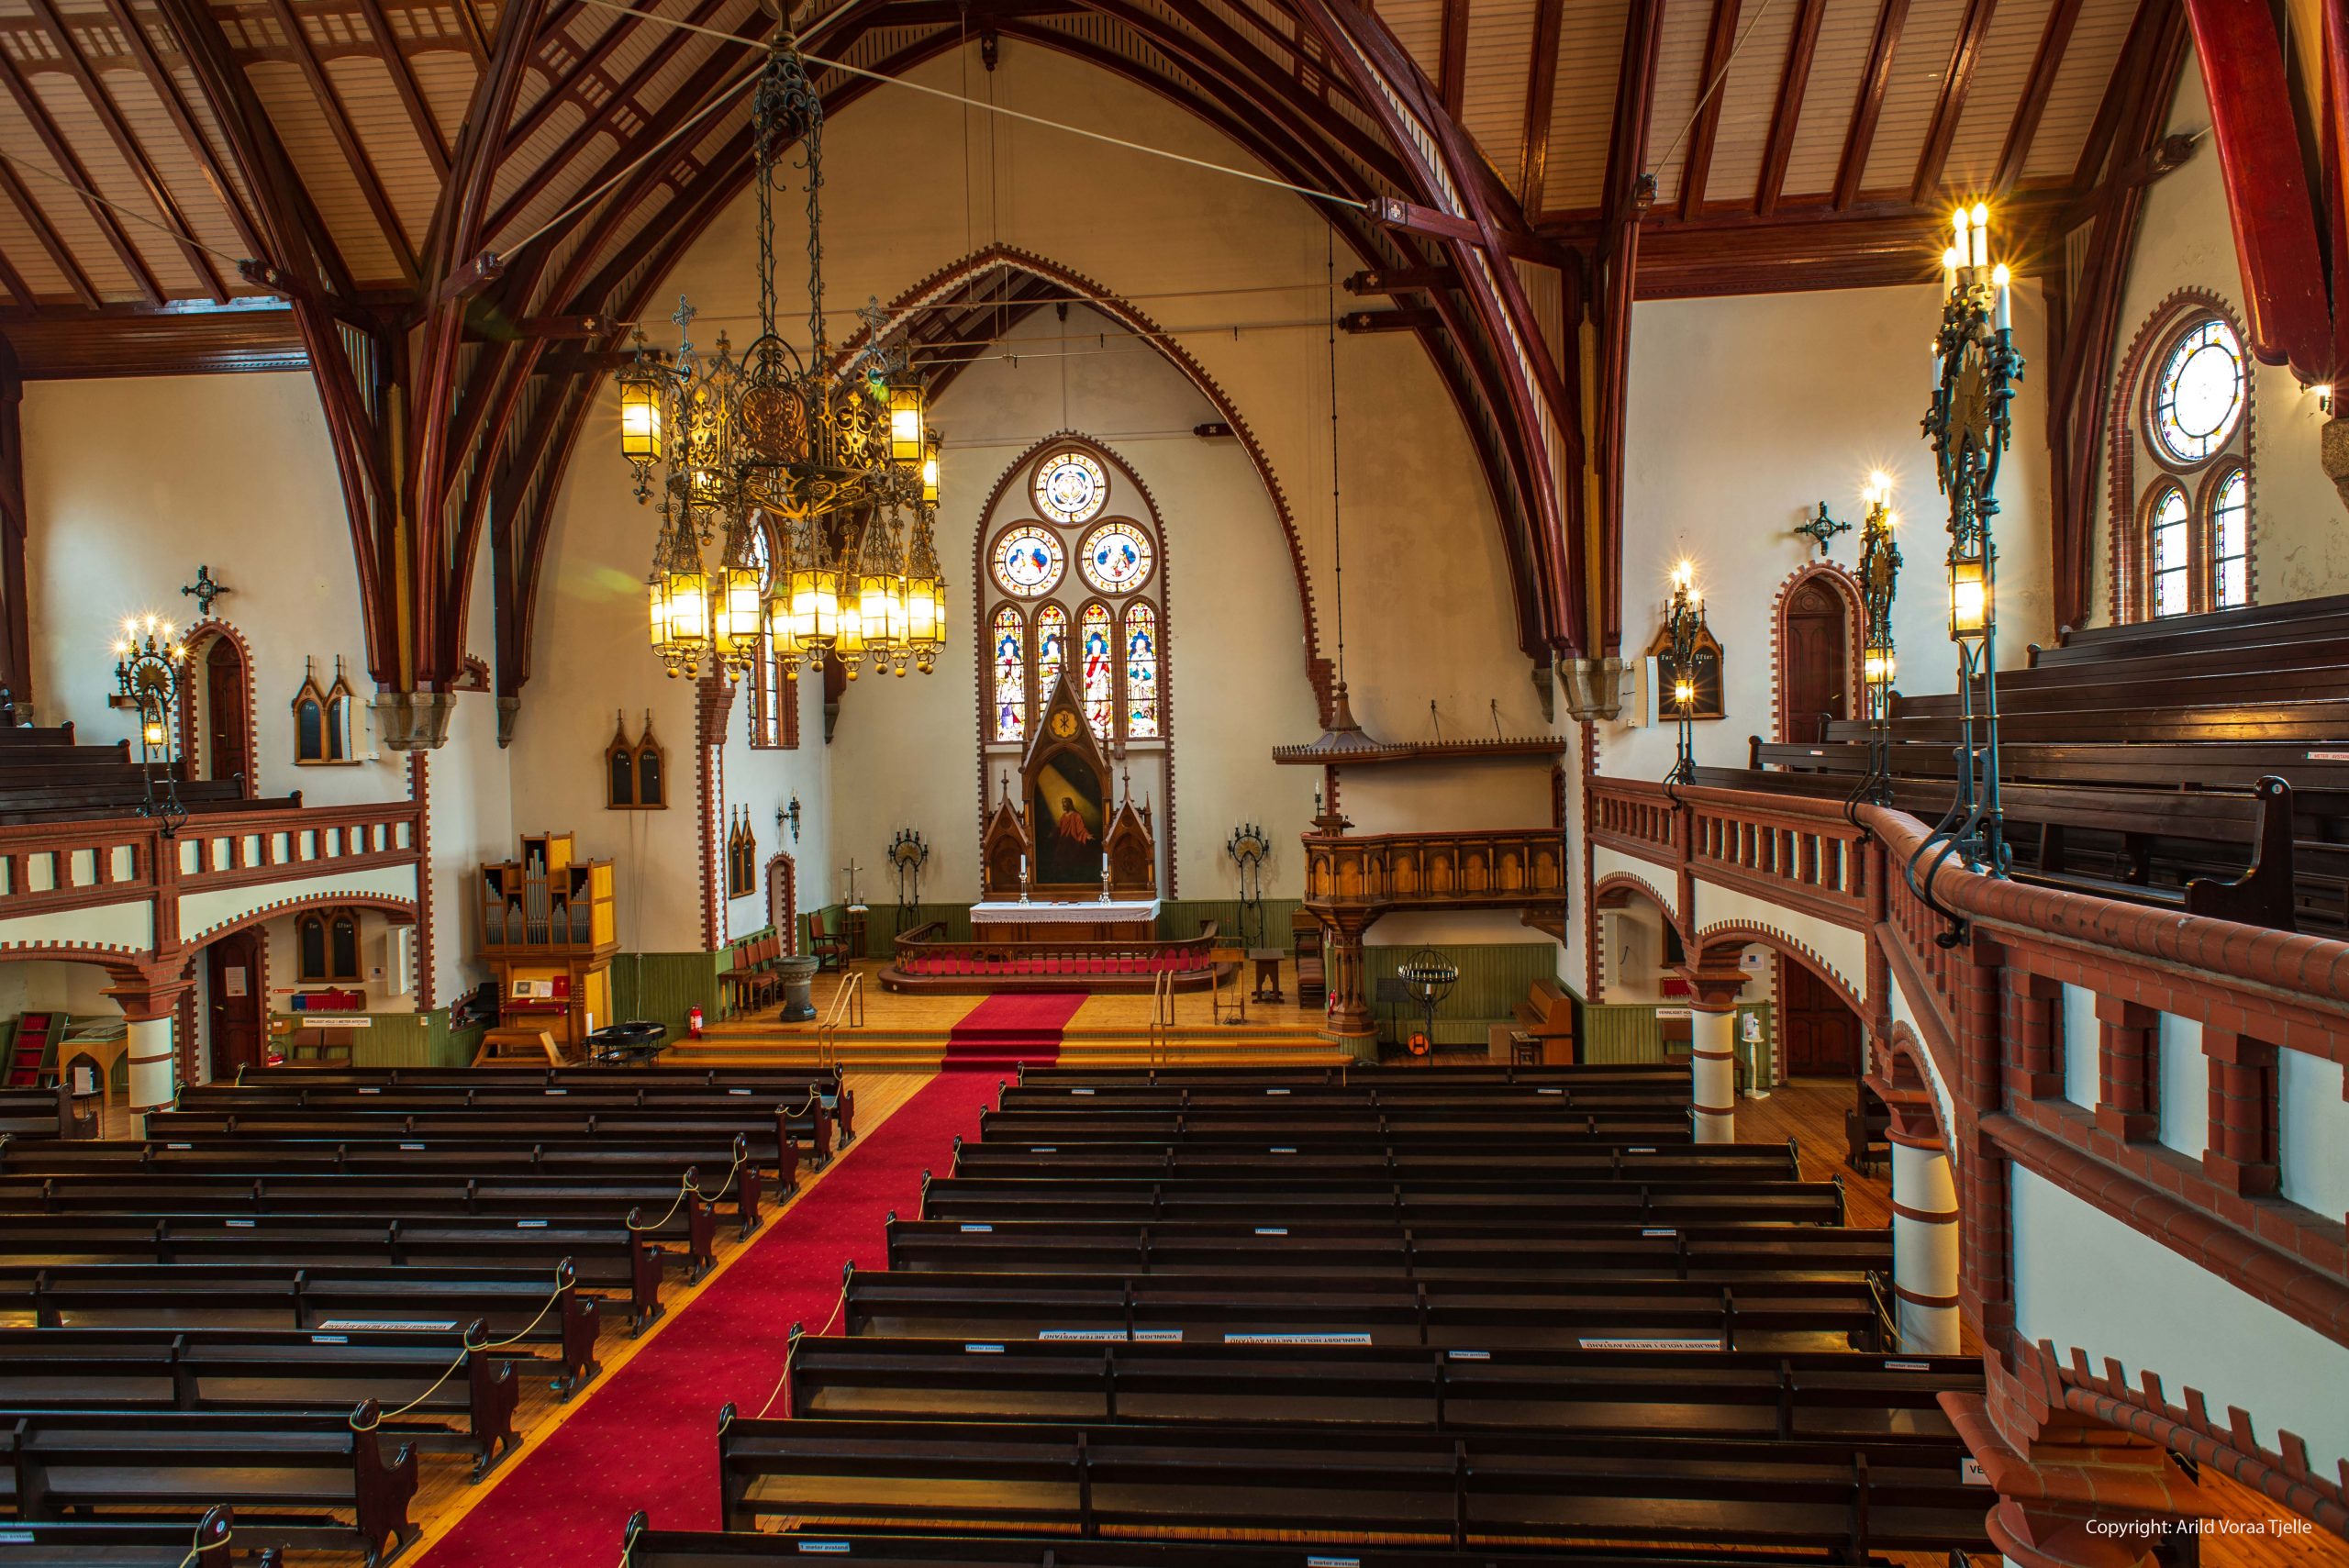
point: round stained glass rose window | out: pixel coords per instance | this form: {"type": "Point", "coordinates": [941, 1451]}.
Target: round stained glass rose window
{"type": "Point", "coordinates": [1070, 487]}
{"type": "Point", "coordinates": [1029, 561]}
{"type": "Point", "coordinates": [1116, 558]}
{"type": "Point", "coordinates": [2198, 398]}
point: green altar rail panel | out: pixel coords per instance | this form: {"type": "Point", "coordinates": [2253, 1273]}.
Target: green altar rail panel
{"type": "Point", "coordinates": [665, 987]}
{"type": "Point", "coordinates": [1494, 978]}
{"type": "Point", "coordinates": [1181, 917]}
{"type": "Point", "coordinates": [407, 1040]}
{"type": "Point", "coordinates": [1628, 1032]}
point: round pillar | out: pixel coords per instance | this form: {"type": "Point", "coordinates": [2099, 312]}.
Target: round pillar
{"type": "Point", "coordinates": [154, 1063]}
{"type": "Point", "coordinates": [1924, 1243]}
{"type": "Point", "coordinates": [1713, 1049]}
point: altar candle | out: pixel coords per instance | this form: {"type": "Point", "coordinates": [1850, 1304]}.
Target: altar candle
{"type": "Point", "coordinates": [1936, 349]}
{"type": "Point", "coordinates": [2002, 277]}
{"type": "Point", "coordinates": [1023, 868]}
{"type": "Point", "coordinates": [1981, 235]}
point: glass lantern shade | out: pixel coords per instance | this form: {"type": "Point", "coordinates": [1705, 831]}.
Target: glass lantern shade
{"type": "Point", "coordinates": [881, 604]}
{"type": "Point", "coordinates": [153, 734]}
{"type": "Point", "coordinates": [640, 431]}
{"type": "Point", "coordinates": [1878, 666]}
{"type": "Point", "coordinates": [656, 592]}
{"type": "Point", "coordinates": [906, 443]}
{"type": "Point", "coordinates": [815, 608]}
{"type": "Point", "coordinates": [688, 596]}
{"type": "Point", "coordinates": [739, 602]}
{"type": "Point", "coordinates": [1684, 691]}
{"type": "Point", "coordinates": [849, 646]}
{"type": "Point", "coordinates": [1969, 600]}
{"type": "Point", "coordinates": [780, 637]}
{"type": "Point", "coordinates": [929, 475]}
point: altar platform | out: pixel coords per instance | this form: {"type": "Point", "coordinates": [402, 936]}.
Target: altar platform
{"type": "Point", "coordinates": [1062, 920]}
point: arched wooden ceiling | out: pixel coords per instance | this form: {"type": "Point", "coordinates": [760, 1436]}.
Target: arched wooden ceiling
{"type": "Point", "coordinates": [382, 164]}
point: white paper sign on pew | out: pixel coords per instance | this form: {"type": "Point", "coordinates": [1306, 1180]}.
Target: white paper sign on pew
{"type": "Point", "coordinates": [1628, 1343]}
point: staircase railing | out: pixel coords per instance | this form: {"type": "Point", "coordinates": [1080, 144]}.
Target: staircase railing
{"type": "Point", "coordinates": [847, 1012]}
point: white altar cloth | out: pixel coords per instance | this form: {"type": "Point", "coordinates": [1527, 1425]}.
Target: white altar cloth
{"type": "Point", "coordinates": [1062, 911]}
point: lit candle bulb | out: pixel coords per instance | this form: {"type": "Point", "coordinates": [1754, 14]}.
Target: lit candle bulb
{"type": "Point", "coordinates": [1981, 234]}
{"type": "Point", "coordinates": [1959, 249]}
{"type": "Point", "coordinates": [2000, 278]}
{"type": "Point", "coordinates": [1935, 349]}
{"type": "Point", "coordinates": [1951, 262]}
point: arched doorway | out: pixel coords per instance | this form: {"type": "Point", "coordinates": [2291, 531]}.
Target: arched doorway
{"type": "Point", "coordinates": [1818, 1035]}
{"type": "Point", "coordinates": [217, 707]}
{"type": "Point", "coordinates": [783, 900]}
{"type": "Point", "coordinates": [1817, 621]}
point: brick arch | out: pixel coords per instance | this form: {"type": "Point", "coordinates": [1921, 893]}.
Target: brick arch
{"type": "Point", "coordinates": [1617, 888]}
{"type": "Point", "coordinates": [382, 901]}
{"type": "Point", "coordinates": [198, 641]}
{"type": "Point", "coordinates": [1846, 588]}
{"type": "Point", "coordinates": [1720, 943]}
{"type": "Point", "coordinates": [1907, 1066]}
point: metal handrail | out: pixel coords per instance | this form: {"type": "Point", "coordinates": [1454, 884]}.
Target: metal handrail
{"type": "Point", "coordinates": [848, 1010]}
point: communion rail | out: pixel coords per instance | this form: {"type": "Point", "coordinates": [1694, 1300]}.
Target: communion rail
{"type": "Point", "coordinates": [925, 959]}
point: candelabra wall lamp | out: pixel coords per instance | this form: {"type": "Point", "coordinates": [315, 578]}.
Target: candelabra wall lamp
{"type": "Point", "coordinates": [1249, 848]}
{"type": "Point", "coordinates": [148, 662]}
{"type": "Point", "coordinates": [1682, 621]}
{"type": "Point", "coordinates": [790, 814]}
{"type": "Point", "coordinates": [1879, 578]}
{"type": "Point", "coordinates": [1968, 422]}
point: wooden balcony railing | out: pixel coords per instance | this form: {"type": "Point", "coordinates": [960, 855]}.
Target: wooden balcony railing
{"type": "Point", "coordinates": [1484, 869]}
{"type": "Point", "coordinates": [924, 953]}
{"type": "Point", "coordinates": [1794, 851]}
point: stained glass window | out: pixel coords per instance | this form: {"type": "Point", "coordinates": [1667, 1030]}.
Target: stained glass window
{"type": "Point", "coordinates": [1051, 649]}
{"type": "Point", "coordinates": [1141, 671]}
{"type": "Point", "coordinates": [1070, 487]}
{"type": "Point", "coordinates": [2199, 393]}
{"type": "Point", "coordinates": [2230, 541]}
{"type": "Point", "coordinates": [1100, 673]}
{"type": "Point", "coordinates": [1029, 561]}
{"type": "Point", "coordinates": [1116, 558]}
{"type": "Point", "coordinates": [2171, 555]}
{"type": "Point", "coordinates": [1010, 674]}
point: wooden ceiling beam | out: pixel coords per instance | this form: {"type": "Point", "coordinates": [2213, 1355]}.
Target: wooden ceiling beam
{"type": "Point", "coordinates": [2117, 94]}
{"type": "Point", "coordinates": [1794, 79]}
{"type": "Point", "coordinates": [76, 173]}
{"type": "Point", "coordinates": [18, 290]}
{"type": "Point", "coordinates": [339, 121]}
{"type": "Point", "coordinates": [2023, 129]}
{"type": "Point", "coordinates": [1540, 97]}
{"type": "Point", "coordinates": [563, 88]}
{"type": "Point", "coordinates": [43, 230]}
{"type": "Point", "coordinates": [403, 72]}
{"type": "Point", "coordinates": [127, 143]}
{"type": "Point", "coordinates": [1452, 58]}
{"type": "Point", "coordinates": [1696, 163]}
{"type": "Point", "coordinates": [1891, 17]}
{"type": "Point", "coordinates": [1613, 289]}
{"type": "Point", "coordinates": [1964, 54]}
{"type": "Point", "coordinates": [167, 91]}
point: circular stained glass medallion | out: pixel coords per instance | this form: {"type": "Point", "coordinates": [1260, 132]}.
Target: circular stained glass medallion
{"type": "Point", "coordinates": [1070, 487]}
{"type": "Point", "coordinates": [2198, 398]}
{"type": "Point", "coordinates": [1029, 561]}
{"type": "Point", "coordinates": [1116, 558]}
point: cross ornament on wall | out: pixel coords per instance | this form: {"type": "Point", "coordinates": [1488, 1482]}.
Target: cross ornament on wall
{"type": "Point", "coordinates": [205, 589]}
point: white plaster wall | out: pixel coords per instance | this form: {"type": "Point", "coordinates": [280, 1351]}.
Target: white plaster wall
{"type": "Point", "coordinates": [132, 484]}
{"type": "Point", "coordinates": [1236, 273]}
{"type": "Point", "coordinates": [2084, 1279]}
{"type": "Point", "coordinates": [2312, 1133]}
{"type": "Point", "coordinates": [2081, 1036]}
{"type": "Point", "coordinates": [2300, 548]}
{"type": "Point", "coordinates": [2183, 1104]}
{"type": "Point", "coordinates": [767, 779]}
{"type": "Point", "coordinates": [1743, 414]}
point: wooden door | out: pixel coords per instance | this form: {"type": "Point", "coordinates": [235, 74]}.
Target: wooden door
{"type": "Point", "coordinates": [1819, 1035]}
{"type": "Point", "coordinates": [782, 901]}
{"type": "Point", "coordinates": [233, 989]}
{"type": "Point", "coordinates": [1815, 672]}
{"type": "Point", "coordinates": [228, 725]}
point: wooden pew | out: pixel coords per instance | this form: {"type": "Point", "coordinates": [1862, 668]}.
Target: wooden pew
{"type": "Point", "coordinates": [1828, 1395]}
{"type": "Point", "coordinates": [1255, 1483]}
{"type": "Point", "coordinates": [1801, 1310]}
{"type": "Point", "coordinates": [321, 1483]}
{"type": "Point", "coordinates": [318, 1300]}
{"type": "Point", "coordinates": [123, 1543]}
{"type": "Point", "coordinates": [255, 1369]}
{"type": "Point", "coordinates": [37, 1113]}
{"type": "Point", "coordinates": [1303, 1167]}
{"type": "Point", "coordinates": [1392, 1080]}
{"type": "Point", "coordinates": [978, 1200]}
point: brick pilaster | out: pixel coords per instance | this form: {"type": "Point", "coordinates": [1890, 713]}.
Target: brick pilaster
{"type": "Point", "coordinates": [2034, 1056]}
{"type": "Point", "coordinates": [2241, 1153]}
{"type": "Point", "coordinates": [2126, 1085]}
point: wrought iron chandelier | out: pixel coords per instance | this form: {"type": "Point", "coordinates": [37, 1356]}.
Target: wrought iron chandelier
{"type": "Point", "coordinates": [825, 455]}
{"type": "Point", "coordinates": [149, 661]}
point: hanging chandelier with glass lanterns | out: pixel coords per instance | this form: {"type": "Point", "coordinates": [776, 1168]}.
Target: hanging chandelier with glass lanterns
{"type": "Point", "coordinates": [833, 461]}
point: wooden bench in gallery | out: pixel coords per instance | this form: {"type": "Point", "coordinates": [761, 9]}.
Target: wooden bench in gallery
{"type": "Point", "coordinates": [36, 1113]}
{"type": "Point", "coordinates": [1829, 1394]}
{"type": "Point", "coordinates": [125, 1543]}
{"type": "Point", "coordinates": [317, 1481]}
{"type": "Point", "coordinates": [174, 1368]}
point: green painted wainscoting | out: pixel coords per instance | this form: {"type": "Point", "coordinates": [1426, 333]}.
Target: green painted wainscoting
{"type": "Point", "coordinates": [663, 986]}
{"type": "Point", "coordinates": [1494, 978]}
{"type": "Point", "coordinates": [1628, 1032]}
{"type": "Point", "coordinates": [409, 1040]}
{"type": "Point", "coordinates": [1180, 918]}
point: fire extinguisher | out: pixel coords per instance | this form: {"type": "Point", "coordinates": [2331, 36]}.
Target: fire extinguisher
{"type": "Point", "coordinates": [693, 1024]}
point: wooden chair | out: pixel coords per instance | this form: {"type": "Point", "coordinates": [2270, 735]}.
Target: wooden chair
{"type": "Point", "coordinates": [830, 948]}
{"type": "Point", "coordinates": [1312, 974]}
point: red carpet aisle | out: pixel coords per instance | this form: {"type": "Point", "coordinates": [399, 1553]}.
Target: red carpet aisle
{"type": "Point", "coordinates": [647, 1437]}
{"type": "Point", "coordinates": [1004, 1031]}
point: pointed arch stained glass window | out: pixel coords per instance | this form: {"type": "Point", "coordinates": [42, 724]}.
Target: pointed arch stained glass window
{"type": "Point", "coordinates": [1011, 644]}
{"type": "Point", "coordinates": [1099, 669]}
{"type": "Point", "coordinates": [2172, 560]}
{"type": "Point", "coordinates": [2230, 541]}
{"type": "Point", "coordinates": [1051, 649]}
{"type": "Point", "coordinates": [1141, 671]}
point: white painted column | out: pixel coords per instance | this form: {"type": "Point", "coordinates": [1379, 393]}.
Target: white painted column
{"type": "Point", "coordinates": [154, 1066]}
{"type": "Point", "coordinates": [1924, 1244]}
{"type": "Point", "coordinates": [1712, 1064]}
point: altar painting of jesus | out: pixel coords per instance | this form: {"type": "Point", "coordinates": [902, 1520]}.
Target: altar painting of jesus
{"type": "Point", "coordinates": [1066, 813]}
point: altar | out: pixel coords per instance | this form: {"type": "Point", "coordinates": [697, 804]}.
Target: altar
{"type": "Point", "coordinates": [1065, 920]}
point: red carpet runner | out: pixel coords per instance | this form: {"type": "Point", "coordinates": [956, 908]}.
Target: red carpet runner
{"type": "Point", "coordinates": [1003, 1031]}
{"type": "Point", "coordinates": [648, 1435]}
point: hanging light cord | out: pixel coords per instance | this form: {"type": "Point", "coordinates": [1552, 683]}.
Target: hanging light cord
{"type": "Point", "coordinates": [1710, 88]}
{"type": "Point", "coordinates": [1337, 526]}
{"type": "Point", "coordinates": [119, 210]}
